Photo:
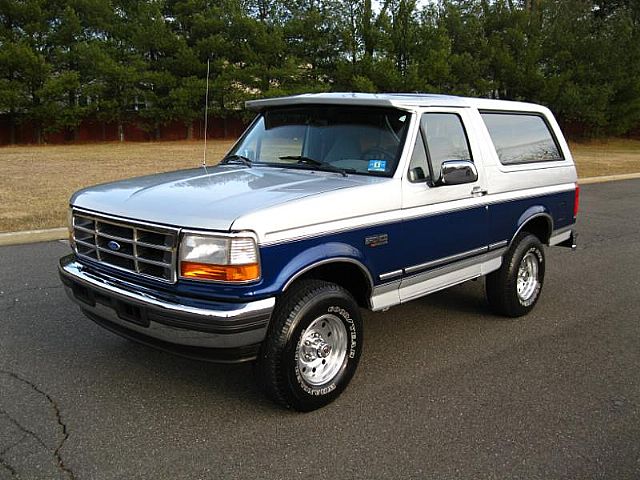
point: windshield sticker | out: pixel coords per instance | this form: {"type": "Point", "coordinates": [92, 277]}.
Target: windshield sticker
{"type": "Point", "coordinates": [377, 166]}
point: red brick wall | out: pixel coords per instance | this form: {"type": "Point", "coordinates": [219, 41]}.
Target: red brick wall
{"type": "Point", "coordinates": [91, 130]}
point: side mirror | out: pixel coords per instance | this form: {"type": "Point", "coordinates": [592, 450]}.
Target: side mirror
{"type": "Point", "coordinates": [456, 172]}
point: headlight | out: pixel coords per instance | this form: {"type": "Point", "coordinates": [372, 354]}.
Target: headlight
{"type": "Point", "coordinates": [226, 259]}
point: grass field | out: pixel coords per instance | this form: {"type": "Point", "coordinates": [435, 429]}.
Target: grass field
{"type": "Point", "coordinates": [36, 182]}
{"type": "Point", "coordinates": [606, 157]}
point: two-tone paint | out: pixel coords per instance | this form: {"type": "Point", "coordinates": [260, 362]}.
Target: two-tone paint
{"type": "Point", "coordinates": [434, 237]}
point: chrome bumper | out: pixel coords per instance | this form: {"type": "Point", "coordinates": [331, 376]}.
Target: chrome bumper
{"type": "Point", "coordinates": [218, 331]}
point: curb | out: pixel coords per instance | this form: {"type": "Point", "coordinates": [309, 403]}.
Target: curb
{"type": "Point", "coordinates": [33, 236]}
{"type": "Point", "coordinates": [608, 178]}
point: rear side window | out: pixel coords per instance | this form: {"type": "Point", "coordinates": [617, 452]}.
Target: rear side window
{"type": "Point", "coordinates": [521, 138]}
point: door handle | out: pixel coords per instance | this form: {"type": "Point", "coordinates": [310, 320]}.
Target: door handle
{"type": "Point", "coordinates": [478, 192]}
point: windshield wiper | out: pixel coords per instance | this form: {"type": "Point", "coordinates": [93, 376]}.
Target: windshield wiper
{"type": "Point", "coordinates": [315, 163]}
{"type": "Point", "coordinates": [235, 158]}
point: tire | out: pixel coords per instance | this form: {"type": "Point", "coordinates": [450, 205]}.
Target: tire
{"type": "Point", "coordinates": [313, 346]}
{"type": "Point", "coordinates": [506, 294]}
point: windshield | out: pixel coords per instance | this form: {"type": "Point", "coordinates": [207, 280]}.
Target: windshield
{"type": "Point", "coordinates": [362, 140]}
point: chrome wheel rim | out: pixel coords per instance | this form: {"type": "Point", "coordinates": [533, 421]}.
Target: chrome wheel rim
{"type": "Point", "coordinates": [322, 350]}
{"type": "Point", "coordinates": [527, 284]}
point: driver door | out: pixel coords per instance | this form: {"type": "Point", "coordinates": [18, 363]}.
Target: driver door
{"type": "Point", "coordinates": [444, 225]}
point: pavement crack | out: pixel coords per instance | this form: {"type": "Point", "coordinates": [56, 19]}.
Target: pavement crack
{"type": "Point", "coordinates": [24, 430]}
{"type": "Point", "coordinates": [56, 409]}
{"type": "Point", "coordinates": [4, 463]}
{"type": "Point", "coordinates": [17, 442]}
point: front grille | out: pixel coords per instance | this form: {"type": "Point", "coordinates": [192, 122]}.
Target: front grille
{"type": "Point", "coordinates": [148, 250]}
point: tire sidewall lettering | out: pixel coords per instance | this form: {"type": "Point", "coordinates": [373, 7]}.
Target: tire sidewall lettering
{"type": "Point", "coordinates": [346, 317]}
{"type": "Point", "coordinates": [351, 328]}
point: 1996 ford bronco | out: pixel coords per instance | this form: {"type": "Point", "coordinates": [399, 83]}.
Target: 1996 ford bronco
{"type": "Point", "coordinates": [328, 203]}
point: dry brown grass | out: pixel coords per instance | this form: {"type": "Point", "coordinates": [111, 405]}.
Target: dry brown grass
{"type": "Point", "coordinates": [36, 182]}
{"type": "Point", "coordinates": [606, 157]}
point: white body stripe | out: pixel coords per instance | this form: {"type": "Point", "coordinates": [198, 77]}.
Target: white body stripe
{"type": "Point", "coordinates": [359, 200]}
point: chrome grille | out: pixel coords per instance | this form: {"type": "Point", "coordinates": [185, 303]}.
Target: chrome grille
{"type": "Point", "coordinates": [148, 250]}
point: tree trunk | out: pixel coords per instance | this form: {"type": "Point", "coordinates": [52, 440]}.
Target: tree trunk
{"type": "Point", "coordinates": [156, 133]}
{"type": "Point", "coordinates": [38, 133]}
{"type": "Point", "coordinates": [367, 29]}
{"type": "Point", "coordinates": [190, 131]}
{"type": "Point", "coordinates": [120, 132]}
{"type": "Point", "coordinates": [12, 128]}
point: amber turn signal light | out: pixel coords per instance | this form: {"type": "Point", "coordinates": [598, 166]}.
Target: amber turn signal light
{"type": "Point", "coordinates": [224, 273]}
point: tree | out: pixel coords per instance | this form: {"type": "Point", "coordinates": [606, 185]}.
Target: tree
{"type": "Point", "coordinates": [21, 71]}
{"type": "Point", "coordinates": [24, 32]}
{"type": "Point", "coordinates": [145, 61]}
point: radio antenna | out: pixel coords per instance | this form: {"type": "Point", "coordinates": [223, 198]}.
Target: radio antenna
{"type": "Point", "coordinates": [206, 117]}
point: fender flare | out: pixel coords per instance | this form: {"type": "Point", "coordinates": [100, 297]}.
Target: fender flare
{"type": "Point", "coordinates": [536, 211]}
{"type": "Point", "coordinates": [322, 255]}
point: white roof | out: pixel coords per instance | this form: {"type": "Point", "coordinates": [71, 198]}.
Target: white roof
{"type": "Point", "coordinates": [398, 100]}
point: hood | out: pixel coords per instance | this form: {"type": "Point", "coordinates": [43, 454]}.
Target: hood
{"type": "Point", "coordinates": [209, 199]}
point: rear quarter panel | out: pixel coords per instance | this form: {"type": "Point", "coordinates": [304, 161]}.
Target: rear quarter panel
{"type": "Point", "coordinates": [518, 192]}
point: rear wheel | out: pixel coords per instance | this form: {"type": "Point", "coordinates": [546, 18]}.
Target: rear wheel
{"type": "Point", "coordinates": [313, 346]}
{"type": "Point", "coordinates": [515, 288]}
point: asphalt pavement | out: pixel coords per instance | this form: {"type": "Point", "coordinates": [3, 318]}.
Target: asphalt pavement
{"type": "Point", "coordinates": [445, 389]}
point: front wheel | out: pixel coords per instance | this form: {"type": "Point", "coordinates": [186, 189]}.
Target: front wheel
{"type": "Point", "coordinates": [313, 346]}
{"type": "Point", "coordinates": [515, 288]}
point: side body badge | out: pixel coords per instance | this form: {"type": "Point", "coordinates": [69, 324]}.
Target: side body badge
{"type": "Point", "coordinates": [376, 240]}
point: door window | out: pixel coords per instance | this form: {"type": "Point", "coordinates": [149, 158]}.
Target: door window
{"type": "Point", "coordinates": [419, 166]}
{"type": "Point", "coordinates": [446, 140]}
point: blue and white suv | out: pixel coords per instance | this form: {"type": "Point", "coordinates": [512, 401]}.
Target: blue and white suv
{"type": "Point", "coordinates": [327, 204]}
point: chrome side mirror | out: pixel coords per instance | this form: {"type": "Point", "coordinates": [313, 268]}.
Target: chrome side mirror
{"type": "Point", "coordinates": [456, 172]}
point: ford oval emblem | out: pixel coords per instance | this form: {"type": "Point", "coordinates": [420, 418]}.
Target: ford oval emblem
{"type": "Point", "coordinates": [113, 245]}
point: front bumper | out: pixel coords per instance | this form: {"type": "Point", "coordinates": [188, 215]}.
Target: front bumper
{"type": "Point", "coordinates": [216, 331]}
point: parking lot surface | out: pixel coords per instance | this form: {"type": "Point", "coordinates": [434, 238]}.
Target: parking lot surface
{"type": "Point", "coordinates": [444, 389]}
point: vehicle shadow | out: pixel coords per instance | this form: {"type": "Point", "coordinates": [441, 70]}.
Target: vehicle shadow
{"type": "Point", "coordinates": [430, 332]}
{"type": "Point", "coordinates": [402, 333]}
{"type": "Point", "coordinates": [468, 297]}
